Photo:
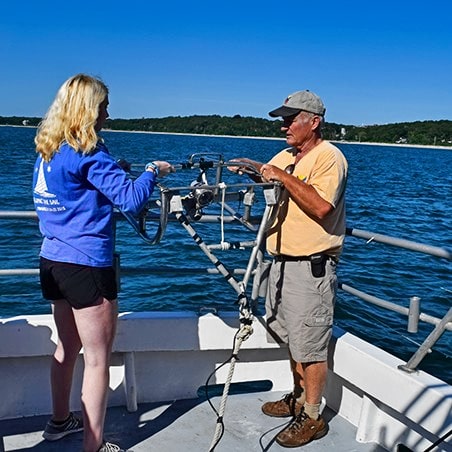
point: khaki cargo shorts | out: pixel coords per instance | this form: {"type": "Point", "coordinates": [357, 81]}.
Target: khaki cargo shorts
{"type": "Point", "coordinates": [300, 308]}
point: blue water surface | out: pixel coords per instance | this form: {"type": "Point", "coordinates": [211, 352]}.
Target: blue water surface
{"type": "Point", "coordinates": [398, 191]}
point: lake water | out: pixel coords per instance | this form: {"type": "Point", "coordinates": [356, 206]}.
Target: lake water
{"type": "Point", "coordinates": [398, 191]}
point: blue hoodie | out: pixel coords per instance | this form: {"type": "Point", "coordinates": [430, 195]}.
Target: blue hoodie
{"type": "Point", "coordinates": [74, 195]}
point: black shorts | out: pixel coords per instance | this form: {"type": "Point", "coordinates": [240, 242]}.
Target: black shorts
{"type": "Point", "coordinates": [80, 285]}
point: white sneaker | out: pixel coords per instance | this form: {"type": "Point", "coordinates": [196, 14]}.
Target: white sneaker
{"type": "Point", "coordinates": [110, 447]}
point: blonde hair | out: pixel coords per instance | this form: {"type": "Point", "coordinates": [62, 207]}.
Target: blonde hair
{"type": "Point", "coordinates": [72, 117]}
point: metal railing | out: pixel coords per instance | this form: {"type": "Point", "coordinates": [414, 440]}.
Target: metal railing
{"type": "Point", "coordinates": [413, 313]}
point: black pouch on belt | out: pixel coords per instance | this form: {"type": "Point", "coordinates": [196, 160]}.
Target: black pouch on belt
{"type": "Point", "coordinates": [318, 262]}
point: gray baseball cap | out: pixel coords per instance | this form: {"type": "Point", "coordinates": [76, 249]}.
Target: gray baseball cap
{"type": "Point", "coordinates": [300, 101]}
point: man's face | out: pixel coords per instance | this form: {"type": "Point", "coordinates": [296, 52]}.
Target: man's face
{"type": "Point", "coordinates": [299, 128]}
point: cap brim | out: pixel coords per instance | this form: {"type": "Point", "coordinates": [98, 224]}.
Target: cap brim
{"type": "Point", "coordinates": [284, 111]}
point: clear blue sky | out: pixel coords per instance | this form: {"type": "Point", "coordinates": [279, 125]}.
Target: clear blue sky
{"type": "Point", "coordinates": [372, 62]}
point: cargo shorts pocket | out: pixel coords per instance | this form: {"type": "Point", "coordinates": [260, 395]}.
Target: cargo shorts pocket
{"type": "Point", "coordinates": [316, 335]}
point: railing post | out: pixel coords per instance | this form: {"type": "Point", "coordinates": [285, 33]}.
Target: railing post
{"type": "Point", "coordinates": [130, 382]}
{"type": "Point", "coordinates": [432, 338]}
{"type": "Point", "coordinates": [413, 314]}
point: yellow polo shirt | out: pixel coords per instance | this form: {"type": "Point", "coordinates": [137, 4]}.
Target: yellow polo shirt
{"type": "Point", "coordinates": [296, 234]}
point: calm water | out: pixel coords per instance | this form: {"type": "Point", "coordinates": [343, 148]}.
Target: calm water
{"type": "Point", "coordinates": [397, 191]}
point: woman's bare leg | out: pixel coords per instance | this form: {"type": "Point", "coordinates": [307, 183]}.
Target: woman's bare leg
{"type": "Point", "coordinates": [64, 358]}
{"type": "Point", "coordinates": [97, 328]}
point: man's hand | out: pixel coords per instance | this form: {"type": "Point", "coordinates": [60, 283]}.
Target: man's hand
{"type": "Point", "coordinates": [248, 166]}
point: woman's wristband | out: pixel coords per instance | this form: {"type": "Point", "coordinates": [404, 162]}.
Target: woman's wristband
{"type": "Point", "coordinates": [153, 167]}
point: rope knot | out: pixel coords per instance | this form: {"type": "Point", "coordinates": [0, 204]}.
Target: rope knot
{"type": "Point", "coordinates": [245, 332]}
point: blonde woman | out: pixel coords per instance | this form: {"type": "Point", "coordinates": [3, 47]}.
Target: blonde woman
{"type": "Point", "coordinates": [76, 183]}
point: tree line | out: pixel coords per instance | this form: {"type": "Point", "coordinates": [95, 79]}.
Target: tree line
{"type": "Point", "coordinates": [418, 132]}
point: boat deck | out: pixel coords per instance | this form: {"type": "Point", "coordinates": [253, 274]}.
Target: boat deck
{"type": "Point", "coordinates": [187, 425]}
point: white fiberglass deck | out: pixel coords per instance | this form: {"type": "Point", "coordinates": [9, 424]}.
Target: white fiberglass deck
{"type": "Point", "coordinates": [161, 360]}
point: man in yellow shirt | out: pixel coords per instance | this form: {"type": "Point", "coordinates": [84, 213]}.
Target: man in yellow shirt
{"type": "Point", "coordinates": [305, 241]}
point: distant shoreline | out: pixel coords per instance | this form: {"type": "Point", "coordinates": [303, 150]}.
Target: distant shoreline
{"type": "Point", "coordinates": [283, 139]}
{"type": "Point", "coordinates": [424, 146]}
{"type": "Point", "coordinates": [402, 145]}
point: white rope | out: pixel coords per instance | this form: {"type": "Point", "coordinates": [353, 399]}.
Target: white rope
{"type": "Point", "coordinates": [243, 334]}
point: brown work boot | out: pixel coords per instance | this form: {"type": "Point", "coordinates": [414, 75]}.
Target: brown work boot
{"type": "Point", "coordinates": [288, 406]}
{"type": "Point", "coordinates": [302, 430]}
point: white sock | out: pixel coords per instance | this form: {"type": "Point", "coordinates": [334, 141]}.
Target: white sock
{"type": "Point", "coordinates": [299, 394]}
{"type": "Point", "coordinates": [312, 410]}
